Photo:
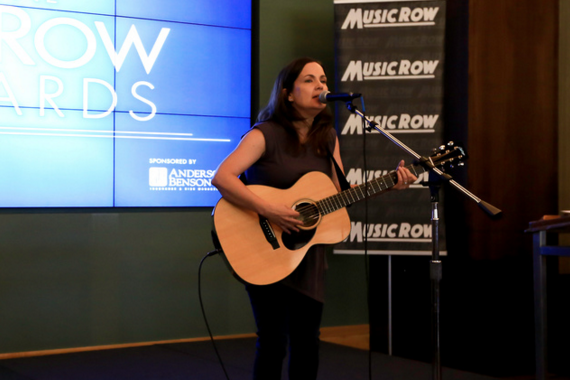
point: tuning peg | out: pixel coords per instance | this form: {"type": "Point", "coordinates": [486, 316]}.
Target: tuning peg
{"type": "Point", "coordinates": [451, 143]}
{"type": "Point", "coordinates": [442, 147]}
{"type": "Point", "coordinates": [461, 164]}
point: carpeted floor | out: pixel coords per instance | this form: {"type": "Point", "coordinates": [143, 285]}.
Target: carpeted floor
{"type": "Point", "coordinates": [198, 361]}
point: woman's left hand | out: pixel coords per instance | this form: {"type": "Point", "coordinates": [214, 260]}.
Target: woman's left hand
{"type": "Point", "coordinates": [405, 177]}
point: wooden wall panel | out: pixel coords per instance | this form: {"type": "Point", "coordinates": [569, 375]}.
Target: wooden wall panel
{"type": "Point", "coordinates": [501, 102]}
{"type": "Point", "coordinates": [512, 129]}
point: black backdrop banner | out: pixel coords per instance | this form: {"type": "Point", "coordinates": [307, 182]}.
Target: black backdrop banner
{"type": "Point", "coordinates": [392, 52]}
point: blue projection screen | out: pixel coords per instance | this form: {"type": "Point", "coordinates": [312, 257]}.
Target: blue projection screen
{"type": "Point", "coordinates": [120, 103]}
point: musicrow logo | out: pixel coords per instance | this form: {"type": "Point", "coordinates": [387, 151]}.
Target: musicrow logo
{"type": "Point", "coordinates": [404, 16]}
{"type": "Point", "coordinates": [180, 179]}
{"type": "Point", "coordinates": [403, 69]}
{"type": "Point", "coordinates": [403, 123]}
{"type": "Point", "coordinates": [357, 176]}
{"type": "Point", "coordinates": [390, 232]}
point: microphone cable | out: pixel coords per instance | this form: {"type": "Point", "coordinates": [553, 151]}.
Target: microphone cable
{"type": "Point", "coordinates": [211, 253]}
{"type": "Point", "coordinates": [366, 259]}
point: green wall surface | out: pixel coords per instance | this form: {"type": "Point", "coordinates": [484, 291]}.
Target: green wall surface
{"type": "Point", "coordinates": [87, 277]}
{"type": "Point", "coordinates": [292, 29]}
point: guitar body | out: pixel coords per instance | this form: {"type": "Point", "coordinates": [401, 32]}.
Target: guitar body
{"type": "Point", "coordinates": [259, 253]}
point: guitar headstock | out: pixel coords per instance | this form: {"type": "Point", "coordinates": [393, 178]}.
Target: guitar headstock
{"type": "Point", "coordinates": [448, 156]}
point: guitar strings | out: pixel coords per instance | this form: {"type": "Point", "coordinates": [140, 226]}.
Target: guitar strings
{"type": "Point", "coordinates": [341, 199]}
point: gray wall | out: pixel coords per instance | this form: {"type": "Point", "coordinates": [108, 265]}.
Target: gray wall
{"type": "Point", "coordinates": [75, 278]}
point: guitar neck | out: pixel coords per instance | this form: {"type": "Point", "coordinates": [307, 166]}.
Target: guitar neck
{"type": "Point", "coordinates": [360, 192]}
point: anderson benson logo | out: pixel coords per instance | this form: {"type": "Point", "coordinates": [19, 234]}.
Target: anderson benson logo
{"type": "Point", "coordinates": [390, 232]}
{"type": "Point", "coordinates": [403, 69]}
{"type": "Point", "coordinates": [179, 179]}
{"type": "Point", "coordinates": [403, 123]}
{"type": "Point", "coordinates": [404, 16]}
{"type": "Point", "coordinates": [158, 177]}
{"type": "Point", "coordinates": [191, 179]}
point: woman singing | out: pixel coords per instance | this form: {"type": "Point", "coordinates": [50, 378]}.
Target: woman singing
{"type": "Point", "coordinates": [294, 135]}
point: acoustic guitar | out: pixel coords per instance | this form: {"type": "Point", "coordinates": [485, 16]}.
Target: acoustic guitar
{"type": "Point", "coordinates": [260, 253]}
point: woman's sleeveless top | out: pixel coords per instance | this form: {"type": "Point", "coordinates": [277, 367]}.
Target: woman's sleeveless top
{"type": "Point", "coordinates": [279, 167]}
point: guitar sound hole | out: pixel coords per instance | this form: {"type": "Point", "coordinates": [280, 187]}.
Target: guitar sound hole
{"type": "Point", "coordinates": [309, 215]}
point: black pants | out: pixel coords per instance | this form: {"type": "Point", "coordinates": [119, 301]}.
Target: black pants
{"type": "Point", "coordinates": [285, 316]}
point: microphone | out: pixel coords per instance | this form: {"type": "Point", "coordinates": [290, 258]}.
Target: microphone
{"type": "Point", "coordinates": [327, 96]}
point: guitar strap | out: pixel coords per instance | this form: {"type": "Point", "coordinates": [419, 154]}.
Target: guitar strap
{"type": "Point", "coordinates": [344, 185]}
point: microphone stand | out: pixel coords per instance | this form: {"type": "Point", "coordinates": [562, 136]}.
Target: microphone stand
{"type": "Point", "coordinates": [436, 178]}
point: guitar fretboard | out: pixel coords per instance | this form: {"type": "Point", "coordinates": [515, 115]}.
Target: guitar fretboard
{"type": "Point", "coordinates": [358, 193]}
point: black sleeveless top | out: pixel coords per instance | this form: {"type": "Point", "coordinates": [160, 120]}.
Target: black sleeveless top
{"type": "Point", "coordinates": [280, 167]}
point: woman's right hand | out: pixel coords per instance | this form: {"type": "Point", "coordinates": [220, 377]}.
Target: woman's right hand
{"type": "Point", "coordinates": [282, 216]}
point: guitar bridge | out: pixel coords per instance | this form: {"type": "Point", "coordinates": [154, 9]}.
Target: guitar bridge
{"type": "Point", "coordinates": [268, 232]}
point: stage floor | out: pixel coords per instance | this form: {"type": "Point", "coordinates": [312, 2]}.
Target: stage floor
{"type": "Point", "coordinates": [198, 361]}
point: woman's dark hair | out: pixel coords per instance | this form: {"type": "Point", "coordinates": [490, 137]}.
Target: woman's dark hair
{"type": "Point", "coordinates": [280, 110]}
